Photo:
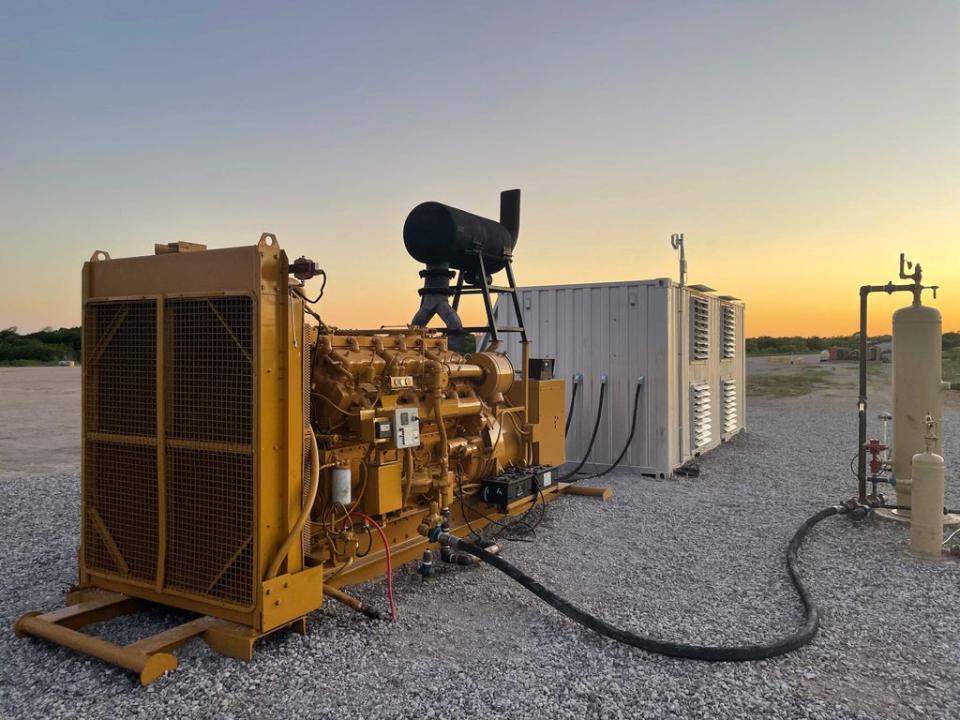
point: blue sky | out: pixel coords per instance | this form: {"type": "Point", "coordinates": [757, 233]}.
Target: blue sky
{"type": "Point", "coordinates": [798, 145]}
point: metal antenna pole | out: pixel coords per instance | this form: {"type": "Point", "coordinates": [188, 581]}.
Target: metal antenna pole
{"type": "Point", "coordinates": [676, 241]}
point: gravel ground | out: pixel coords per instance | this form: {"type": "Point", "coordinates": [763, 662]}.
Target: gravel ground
{"type": "Point", "coordinates": [699, 560]}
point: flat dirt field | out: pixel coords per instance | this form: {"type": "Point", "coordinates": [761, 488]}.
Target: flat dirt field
{"type": "Point", "coordinates": [40, 406]}
{"type": "Point", "coordinates": [810, 383]}
{"type": "Point", "coordinates": [39, 421]}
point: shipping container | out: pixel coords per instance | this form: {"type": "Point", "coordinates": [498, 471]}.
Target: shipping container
{"type": "Point", "coordinates": [686, 342]}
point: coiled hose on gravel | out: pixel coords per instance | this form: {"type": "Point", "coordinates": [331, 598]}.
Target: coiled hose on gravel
{"type": "Point", "coordinates": [717, 653]}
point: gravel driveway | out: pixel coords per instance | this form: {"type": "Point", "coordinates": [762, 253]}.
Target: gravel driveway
{"type": "Point", "coordinates": [698, 559]}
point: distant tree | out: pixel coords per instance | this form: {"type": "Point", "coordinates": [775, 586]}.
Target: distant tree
{"type": "Point", "coordinates": [46, 346]}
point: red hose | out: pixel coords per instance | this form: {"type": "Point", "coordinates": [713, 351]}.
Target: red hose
{"type": "Point", "coordinates": [386, 550]}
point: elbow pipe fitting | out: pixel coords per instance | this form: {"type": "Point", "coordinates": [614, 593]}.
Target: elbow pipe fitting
{"type": "Point", "coordinates": [448, 555]}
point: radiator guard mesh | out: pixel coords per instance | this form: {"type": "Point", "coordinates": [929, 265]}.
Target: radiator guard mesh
{"type": "Point", "coordinates": [208, 402]}
{"type": "Point", "coordinates": [120, 444]}
{"type": "Point", "coordinates": [209, 373]}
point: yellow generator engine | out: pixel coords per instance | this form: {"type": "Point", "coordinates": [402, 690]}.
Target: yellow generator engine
{"type": "Point", "coordinates": [241, 459]}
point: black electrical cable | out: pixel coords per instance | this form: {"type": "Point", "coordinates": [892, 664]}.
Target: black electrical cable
{"type": "Point", "coordinates": [514, 529]}
{"type": "Point", "coordinates": [323, 286]}
{"type": "Point", "coordinates": [573, 399]}
{"type": "Point", "coordinates": [720, 653]}
{"type": "Point", "coordinates": [626, 445]}
{"type": "Point", "coordinates": [593, 436]}
{"type": "Point", "coordinates": [369, 532]}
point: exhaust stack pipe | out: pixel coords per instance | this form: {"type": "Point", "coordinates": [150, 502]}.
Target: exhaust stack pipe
{"type": "Point", "coordinates": [510, 212]}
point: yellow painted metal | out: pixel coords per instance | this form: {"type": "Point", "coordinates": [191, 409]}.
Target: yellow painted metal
{"type": "Point", "coordinates": [547, 419]}
{"type": "Point", "coordinates": [288, 597]}
{"type": "Point", "coordinates": [60, 627]}
{"type": "Point", "coordinates": [202, 385]}
{"type": "Point", "coordinates": [383, 492]}
{"type": "Point", "coordinates": [202, 282]}
{"type": "Point", "coordinates": [406, 543]}
{"type": "Point", "coordinates": [149, 657]}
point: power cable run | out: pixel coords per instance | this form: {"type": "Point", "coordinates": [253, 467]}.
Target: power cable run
{"type": "Point", "coordinates": [593, 436]}
{"type": "Point", "coordinates": [577, 379]}
{"type": "Point", "coordinates": [626, 445]}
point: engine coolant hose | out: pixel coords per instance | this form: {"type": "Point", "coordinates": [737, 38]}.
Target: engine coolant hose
{"type": "Point", "coordinates": [712, 653]}
{"type": "Point", "coordinates": [315, 469]}
{"type": "Point", "coordinates": [593, 436]}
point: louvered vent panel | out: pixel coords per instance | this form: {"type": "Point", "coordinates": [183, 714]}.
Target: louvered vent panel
{"type": "Point", "coordinates": [699, 328]}
{"type": "Point", "coordinates": [700, 422]}
{"type": "Point", "coordinates": [729, 405]}
{"type": "Point", "coordinates": [729, 332]}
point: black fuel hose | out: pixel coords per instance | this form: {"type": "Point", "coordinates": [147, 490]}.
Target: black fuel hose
{"type": "Point", "coordinates": [720, 653]}
{"type": "Point", "coordinates": [626, 445]}
{"type": "Point", "coordinates": [593, 436]}
{"type": "Point", "coordinates": [573, 399]}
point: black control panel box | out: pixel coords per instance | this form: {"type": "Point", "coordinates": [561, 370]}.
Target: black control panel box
{"type": "Point", "coordinates": [515, 484]}
{"type": "Point", "coordinates": [541, 368]}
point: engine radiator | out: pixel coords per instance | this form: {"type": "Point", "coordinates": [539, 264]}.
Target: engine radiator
{"type": "Point", "coordinates": [193, 421]}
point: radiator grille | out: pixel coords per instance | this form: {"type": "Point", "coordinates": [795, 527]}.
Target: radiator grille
{"type": "Point", "coordinates": [699, 328]}
{"type": "Point", "coordinates": [120, 368]}
{"type": "Point", "coordinates": [209, 382]}
{"type": "Point", "coordinates": [120, 453]}
{"type": "Point", "coordinates": [120, 510]}
{"type": "Point", "coordinates": [209, 369]}
{"type": "Point", "coordinates": [700, 416]}
{"type": "Point", "coordinates": [210, 524]}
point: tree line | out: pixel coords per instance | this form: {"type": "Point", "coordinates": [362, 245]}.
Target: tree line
{"type": "Point", "coordinates": [44, 347]}
{"type": "Point", "coordinates": [767, 345]}
{"type": "Point", "coordinates": [51, 346]}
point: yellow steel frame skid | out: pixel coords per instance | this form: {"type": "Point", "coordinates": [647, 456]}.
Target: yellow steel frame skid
{"type": "Point", "coordinates": [150, 657]}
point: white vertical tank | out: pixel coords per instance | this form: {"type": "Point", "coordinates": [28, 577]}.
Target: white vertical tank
{"type": "Point", "coordinates": [926, 518]}
{"type": "Point", "coordinates": [917, 388]}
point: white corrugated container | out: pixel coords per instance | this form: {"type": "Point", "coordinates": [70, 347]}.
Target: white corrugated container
{"type": "Point", "coordinates": [687, 343]}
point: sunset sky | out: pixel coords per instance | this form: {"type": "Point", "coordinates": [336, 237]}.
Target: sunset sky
{"type": "Point", "coordinates": [799, 146]}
